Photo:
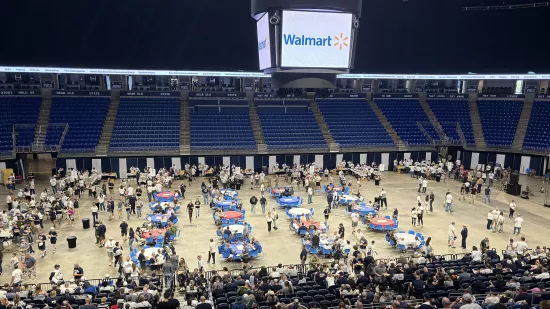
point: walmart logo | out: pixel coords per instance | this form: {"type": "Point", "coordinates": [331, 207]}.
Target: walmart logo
{"type": "Point", "coordinates": [263, 44]}
{"type": "Point", "coordinates": [337, 41]}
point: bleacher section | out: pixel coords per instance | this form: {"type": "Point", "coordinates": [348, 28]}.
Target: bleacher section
{"type": "Point", "coordinates": [538, 130]}
{"type": "Point", "coordinates": [222, 131]}
{"type": "Point", "coordinates": [292, 130]}
{"type": "Point", "coordinates": [18, 110]}
{"type": "Point", "coordinates": [404, 115]}
{"type": "Point", "coordinates": [353, 124]}
{"type": "Point", "coordinates": [448, 113]}
{"type": "Point", "coordinates": [85, 117]}
{"type": "Point", "coordinates": [499, 119]}
{"type": "Point", "coordinates": [146, 124]}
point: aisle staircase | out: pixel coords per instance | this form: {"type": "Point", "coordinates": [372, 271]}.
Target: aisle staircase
{"type": "Point", "coordinates": [256, 127]}
{"type": "Point", "coordinates": [385, 122]}
{"type": "Point", "coordinates": [476, 123]}
{"type": "Point", "coordinates": [108, 125]}
{"type": "Point", "coordinates": [333, 146]}
{"type": "Point", "coordinates": [422, 98]}
{"type": "Point", "coordinates": [185, 127]}
{"type": "Point", "coordinates": [39, 142]}
{"type": "Point", "coordinates": [517, 144]}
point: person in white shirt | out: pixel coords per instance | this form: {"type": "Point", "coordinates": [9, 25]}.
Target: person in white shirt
{"type": "Point", "coordinates": [53, 183]}
{"type": "Point", "coordinates": [476, 255]}
{"type": "Point", "coordinates": [512, 209]}
{"type": "Point", "coordinates": [419, 184]}
{"type": "Point", "coordinates": [491, 178]}
{"type": "Point", "coordinates": [448, 202]}
{"type": "Point", "coordinates": [424, 185]}
{"type": "Point", "coordinates": [16, 276]}
{"type": "Point", "coordinates": [354, 220]}
{"type": "Point", "coordinates": [521, 246]}
{"type": "Point", "coordinates": [543, 275]}
{"type": "Point", "coordinates": [451, 235]}
{"type": "Point", "coordinates": [517, 224]}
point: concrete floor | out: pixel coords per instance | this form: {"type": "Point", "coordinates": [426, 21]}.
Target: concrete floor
{"type": "Point", "coordinates": [283, 246]}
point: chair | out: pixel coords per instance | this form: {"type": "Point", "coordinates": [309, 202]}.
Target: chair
{"type": "Point", "coordinates": [411, 232]}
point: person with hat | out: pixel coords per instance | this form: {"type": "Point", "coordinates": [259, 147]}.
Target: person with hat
{"type": "Point", "coordinates": [52, 235]}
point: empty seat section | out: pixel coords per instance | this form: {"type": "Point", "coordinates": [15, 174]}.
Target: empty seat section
{"type": "Point", "coordinates": [499, 120]}
{"type": "Point", "coordinates": [354, 124]}
{"type": "Point", "coordinates": [449, 113]}
{"type": "Point", "coordinates": [85, 117]}
{"type": "Point", "coordinates": [538, 129]}
{"type": "Point", "coordinates": [221, 131]}
{"type": "Point", "coordinates": [18, 111]}
{"type": "Point", "coordinates": [292, 130]}
{"type": "Point", "coordinates": [146, 124]}
{"type": "Point", "coordinates": [404, 115]}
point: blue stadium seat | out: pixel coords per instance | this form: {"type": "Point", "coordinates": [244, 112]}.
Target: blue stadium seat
{"type": "Point", "coordinates": [292, 130]}
{"type": "Point", "coordinates": [448, 113]}
{"type": "Point", "coordinates": [146, 124]}
{"type": "Point", "coordinates": [85, 117]}
{"type": "Point", "coordinates": [18, 110]}
{"type": "Point", "coordinates": [537, 136]}
{"type": "Point", "coordinates": [222, 131]}
{"type": "Point", "coordinates": [499, 120]}
{"type": "Point", "coordinates": [404, 115]}
{"type": "Point", "coordinates": [353, 124]}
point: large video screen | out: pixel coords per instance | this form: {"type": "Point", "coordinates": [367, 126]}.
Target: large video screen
{"type": "Point", "coordinates": [316, 39]}
{"type": "Point", "coordinates": [264, 48]}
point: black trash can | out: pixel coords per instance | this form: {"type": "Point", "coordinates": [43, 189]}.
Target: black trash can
{"type": "Point", "coordinates": [238, 185]}
{"type": "Point", "coordinates": [377, 182]}
{"type": "Point", "coordinates": [85, 223]}
{"type": "Point", "coordinates": [71, 241]}
{"type": "Point", "coordinates": [437, 177]}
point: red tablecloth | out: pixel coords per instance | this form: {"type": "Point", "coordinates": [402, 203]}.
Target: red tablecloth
{"type": "Point", "coordinates": [310, 223]}
{"type": "Point", "coordinates": [165, 194]}
{"type": "Point", "coordinates": [382, 222]}
{"type": "Point", "coordinates": [155, 233]}
{"type": "Point", "coordinates": [336, 188]}
{"type": "Point", "coordinates": [232, 215]}
{"type": "Point", "coordinates": [277, 190]}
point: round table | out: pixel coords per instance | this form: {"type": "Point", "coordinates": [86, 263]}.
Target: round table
{"type": "Point", "coordinates": [311, 222]}
{"type": "Point", "coordinates": [165, 195]}
{"type": "Point", "coordinates": [383, 223]}
{"type": "Point", "coordinates": [274, 191]}
{"type": "Point", "coordinates": [405, 239]}
{"type": "Point", "coordinates": [164, 205]}
{"type": "Point", "coordinates": [149, 252]}
{"type": "Point", "coordinates": [237, 248]}
{"type": "Point", "coordinates": [299, 211]}
{"type": "Point", "coordinates": [363, 210]}
{"type": "Point", "coordinates": [154, 233]}
{"type": "Point", "coordinates": [236, 228]}
{"type": "Point", "coordinates": [232, 215]}
{"type": "Point", "coordinates": [348, 198]}
{"type": "Point", "coordinates": [325, 243]}
{"type": "Point", "coordinates": [225, 203]}
{"type": "Point", "coordinates": [335, 188]}
{"type": "Point", "coordinates": [286, 201]}
{"type": "Point", "coordinates": [158, 218]}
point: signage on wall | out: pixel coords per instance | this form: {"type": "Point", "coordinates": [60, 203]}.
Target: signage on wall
{"type": "Point", "coordinates": [395, 95]}
{"type": "Point", "coordinates": [20, 92]}
{"type": "Point", "coordinates": [265, 95]}
{"type": "Point", "coordinates": [502, 96]}
{"type": "Point", "coordinates": [150, 94]}
{"type": "Point", "coordinates": [219, 94]}
{"type": "Point", "coordinates": [116, 85]}
{"type": "Point", "coordinates": [47, 84]}
{"type": "Point", "coordinates": [81, 93]}
{"type": "Point", "coordinates": [449, 96]}
{"type": "Point", "coordinates": [342, 95]}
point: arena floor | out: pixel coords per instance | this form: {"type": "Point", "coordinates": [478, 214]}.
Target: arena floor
{"type": "Point", "coordinates": [283, 246]}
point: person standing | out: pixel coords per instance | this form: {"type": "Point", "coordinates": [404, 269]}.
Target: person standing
{"type": "Point", "coordinates": [124, 230]}
{"type": "Point", "coordinates": [512, 209]}
{"type": "Point", "coordinates": [326, 212]}
{"type": "Point", "coordinates": [139, 206]}
{"type": "Point", "coordinates": [451, 235]}
{"type": "Point", "coordinates": [432, 199]}
{"type": "Point", "coordinates": [197, 208]}
{"type": "Point", "coordinates": [448, 202]}
{"type": "Point", "coordinates": [424, 185]}
{"type": "Point", "coordinates": [420, 215]}
{"type": "Point", "coordinates": [168, 271]}
{"type": "Point", "coordinates": [383, 200]}
{"type": "Point", "coordinates": [489, 219]}
{"type": "Point", "coordinates": [464, 234]}
{"type": "Point", "coordinates": [275, 216]}
{"type": "Point", "coordinates": [329, 200]}
{"type": "Point", "coordinates": [190, 208]}
{"type": "Point", "coordinates": [303, 255]}
{"type": "Point", "coordinates": [253, 202]}
{"type": "Point", "coordinates": [263, 203]}
{"type": "Point", "coordinates": [269, 219]}
{"type": "Point", "coordinates": [212, 251]}
{"type": "Point", "coordinates": [518, 222]}
{"type": "Point", "coordinates": [491, 178]}
{"type": "Point", "coordinates": [95, 210]}
{"type": "Point", "coordinates": [309, 195]}
{"type": "Point", "coordinates": [30, 266]}
{"type": "Point", "coordinates": [419, 184]}
{"type": "Point", "coordinates": [487, 195]}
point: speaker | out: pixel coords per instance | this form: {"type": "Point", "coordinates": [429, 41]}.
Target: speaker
{"type": "Point", "coordinates": [513, 189]}
{"type": "Point", "coordinates": [514, 179]}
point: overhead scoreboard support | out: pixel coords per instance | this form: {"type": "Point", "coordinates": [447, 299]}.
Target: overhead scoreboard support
{"type": "Point", "coordinates": [306, 43]}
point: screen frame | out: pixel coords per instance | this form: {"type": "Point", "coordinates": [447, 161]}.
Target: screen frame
{"type": "Point", "coordinates": [279, 34]}
{"type": "Point", "coordinates": [270, 35]}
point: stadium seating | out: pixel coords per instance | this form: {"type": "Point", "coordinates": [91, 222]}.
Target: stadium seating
{"type": "Point", "coordinates": [499, 119]}
{"type": "Point", "coordinates": [291, 130]}
{"type": "Point", "coordinates": [538, 130]}
{"type": "Point", "coordinates": [146, 124]}
{"type": "Point", "coordinates": [222, 131]}
{"type": "Point", "coordinates": [18, 110]}
{"type": "Point", "coordinates": [404, 115]}
{"type": "Point", "coordinates": [448, 113]}
{"type": "Point", "coordinates": [354, 124]}
{"type": "Point", "coordinates": [85, 117]}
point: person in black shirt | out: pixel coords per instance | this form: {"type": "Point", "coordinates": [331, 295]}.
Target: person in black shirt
{"type": "Point", "coordinates": [78, 272]}
{"type": "Point", "coordinates": [303, 255]}
{"type": "Point", "coordinates": [326, 212]}
{"type": "Point", "coordinates": [53, 237]}
{"type": "Point", "coordinates": [190, 208]}
{"type": "Point", "coordinates": [168, 302]}
{"type": "Point", "coordinates": [101, 231]}
{"type": "Point", "coordinates": [203, 304]}
{"type": "Point", "coordinates": [124, 230]}
{"type": "Point", "coordinates": [341, 230]}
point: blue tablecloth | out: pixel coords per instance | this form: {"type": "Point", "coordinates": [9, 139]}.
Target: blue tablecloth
{"type": "Point", "coordinates": [224, 203]}
{"type": "Point", "coordinates": [237, 248]}
{"type": "Point", "coordinates": [158, 218]}
{"type": "Point", "coordinates": [363, 211]}
{"type": "Point", "coordinates": [290, 201]}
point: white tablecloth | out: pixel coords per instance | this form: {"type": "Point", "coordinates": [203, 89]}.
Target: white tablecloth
{"type": "Point", "coordinates": [299, 211]}
{"type": "Point", "coordinates": [163, 204]}
{"type": "Point", "coordinates": [405, 239]}
{"type": "Point", "coordinates": [149, 252]}
{"type": "Point", "coordinates": [236, 227]}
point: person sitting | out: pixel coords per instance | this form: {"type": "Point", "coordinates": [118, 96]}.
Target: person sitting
{"type": "Point", "coordinates": [302, 229]}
